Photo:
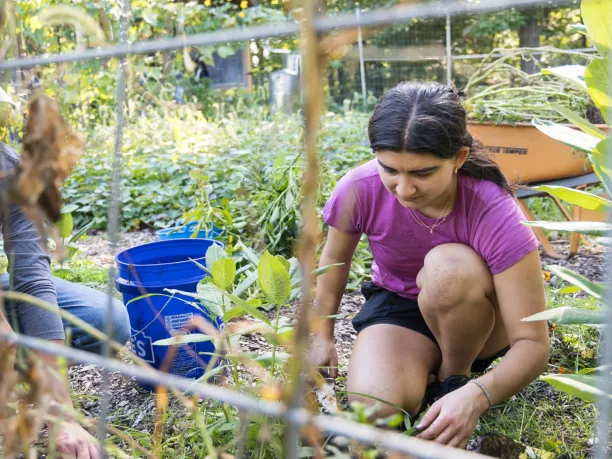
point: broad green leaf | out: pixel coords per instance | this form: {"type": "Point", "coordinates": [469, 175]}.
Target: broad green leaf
{"type": "Point", "coordinates": [599, 83]}
{"type": "Point", "coordinates": [584, 387]}
{"type": "Point", "coordinates": [69, 209]}
{"type": "Point", "coordinates": [184, 339]}
{"type": "Point", "coordinates": [585, 125]}
{"type": "Point", "coordinates": [572, 73]}
{"type": "Point", "coordinates": [274, 279]}
{"type": "Point", "coordinates": [65, 225]}
{"type": "Point", "coordinates": [580, 198]}
{"type": "Point", "coordinates": [215, 252]}
{"type": "Point", "coordinates": [599, 158]}
{"type": "Point", "coordinates": [285, 262]}
{"type": "Point", "coordinates": [571, 137]}
{"type": "Point", "coordinates": [593, 289]}
{"type": "Point", "coordinates": [233, 313]}
{"type": "Point", "coordinates": [589, 228]}
{"type": "Point", "coordinates": [566, 316]}
{"type": "Point", "coordinates": [597, 17]}
{"type": "Point", "coordinates": [224, 272]}
{"type": "Point", "coordinates": [210, 297]}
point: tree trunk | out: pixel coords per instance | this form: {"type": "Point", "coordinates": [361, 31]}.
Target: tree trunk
{"type": "Point", "coordinates": [529, 37]}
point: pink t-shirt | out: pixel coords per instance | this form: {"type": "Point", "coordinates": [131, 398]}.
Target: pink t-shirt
{"type": "Point", "coordinates": [484, 217]}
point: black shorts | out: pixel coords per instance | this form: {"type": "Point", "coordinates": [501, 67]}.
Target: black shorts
{"type": "Point", "coordinates": [385, 307]}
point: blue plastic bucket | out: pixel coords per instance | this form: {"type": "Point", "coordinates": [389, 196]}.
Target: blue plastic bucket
{"type": "Point", "coordinates": [186, 231]}
{"type": "Point", "coordinates": [150, 269]}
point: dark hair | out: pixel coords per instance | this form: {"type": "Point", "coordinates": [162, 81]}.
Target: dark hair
{"type": "Point", "coordinates": [419, 117]}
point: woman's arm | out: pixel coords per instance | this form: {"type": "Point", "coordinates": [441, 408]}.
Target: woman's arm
{"type": "Point", "coordinates": [339, 248]}
{"type": "Point", "coordinates": [520, 293]}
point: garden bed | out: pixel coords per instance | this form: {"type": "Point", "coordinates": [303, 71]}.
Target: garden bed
{"type": "Point", "coordinates": [539, 416]}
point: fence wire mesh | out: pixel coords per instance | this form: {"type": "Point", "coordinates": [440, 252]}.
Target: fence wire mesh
{"type": "Point", "coordinates": [414, 46]}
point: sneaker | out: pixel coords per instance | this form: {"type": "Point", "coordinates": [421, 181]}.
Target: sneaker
{"type": "Point", "coordinates": [439, 389]}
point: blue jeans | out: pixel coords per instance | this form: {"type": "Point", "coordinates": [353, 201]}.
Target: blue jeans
{"type": "Point", "coordinates": [90, 306]}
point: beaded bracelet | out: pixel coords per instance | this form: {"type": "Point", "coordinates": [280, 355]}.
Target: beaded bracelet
{"type": "Point", "coordinates": [485, 390]}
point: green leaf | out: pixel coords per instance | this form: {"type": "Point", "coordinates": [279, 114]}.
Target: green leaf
{"type": "Point", "coordinates": [284, 261]}
{"type": "Point", "coordinates": [246, 283]}
{"type": "Point", "coordinates": [289, 199]}
{"type": "Point", "coordinates": [597, 17]}
{"type": "Point", "coordinates": [572, 73]}
{"type": "Point", "coordinates": [566, 316]}
{"type": "Point", "coordinates": [577, 28]}
{"type": "Point", "coordinates": [69, 209]}
{"type": "Point", "coordinates": [274, 279]}
{"type": "Point", "coordinates": [215, 252]}
{"type": "Point", "coordinates": [6, 99]}
{"type": "Point", "coordinates": [316, 273]}
{"type": "Point", "coordinates": [224, 272]}
{"type": "Point", "coordinates": [266, 358]}
{"type": "Point", "coordinates": [593, 289]}
{"type": "Point", "coordinates": [585, 125]}
{"type": "Point", "coordinates": [233, 313]}
{"type": "Point", "coordinates": [225, 51]}
{"type": "Point", "coordinates": [599, 158]}
{"type": "Point", "coordinates": [209, 296]}
{"type": "Point", "coordinates": [570, 289]}
{"type": "Point", "coordinates": [65, 225]}
{"type": "Point", "coordinates": [184, 339]}
{"type": "Point", "coordinates": [580, 198]}
{"type": "Point", "coordinates": [202, 267]}
{"type": "Point", "coordinates": [249, 254]}
{"type": "Point", "coordinates": [584, 387]}
{"type": "Point", "coordinates": [571, 137]}
{"type": "Point", "coordinates": [248, 307]}
{"type": "Point", "coordinates": [589, 228]}
{"type": "Point", "coordinates": [598, 78]}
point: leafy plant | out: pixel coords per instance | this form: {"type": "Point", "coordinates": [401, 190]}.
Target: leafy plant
{"type": "Point", "coordinates": [596, 144]}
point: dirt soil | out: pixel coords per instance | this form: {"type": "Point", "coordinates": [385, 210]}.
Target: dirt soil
{"type": "Point", "coordinates": [131, 406]}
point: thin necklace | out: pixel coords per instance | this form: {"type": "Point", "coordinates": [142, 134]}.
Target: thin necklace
{"type": "Point", "coordinates": [441, 219]}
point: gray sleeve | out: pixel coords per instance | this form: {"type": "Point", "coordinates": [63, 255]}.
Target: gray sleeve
{"type": "Point", "coordinates": [30, 272]}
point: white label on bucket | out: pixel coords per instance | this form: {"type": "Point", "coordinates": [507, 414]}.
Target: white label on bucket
{"type": "Point", "coordinates": [142, 345]}
{"type": "Point", "coordinates": [185, 360]}
{"type": "Point", "coordinates": [178, 321]}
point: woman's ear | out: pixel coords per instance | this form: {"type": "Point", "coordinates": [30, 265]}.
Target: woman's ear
{"type": "Point", "coordinates": [461, 157]}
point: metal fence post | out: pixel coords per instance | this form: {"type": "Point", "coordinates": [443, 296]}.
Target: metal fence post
{"type": "Point", "coordinates": [449, 52]}
{"type": "Point", "coordinates": [604, 404]}
{"type": "Point", "coordinates": [364, 91]}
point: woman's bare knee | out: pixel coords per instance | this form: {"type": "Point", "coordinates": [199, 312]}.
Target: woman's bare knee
{"type": "Point", "coordinates": [453, 274]}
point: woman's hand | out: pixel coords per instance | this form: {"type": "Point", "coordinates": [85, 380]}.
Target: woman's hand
{"type": "Point", "coordinates": [323, 353]}
{"type": "Point", "coordinates": [452, 419]}
{"type": "Point", "coordinates": [73, 441]}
